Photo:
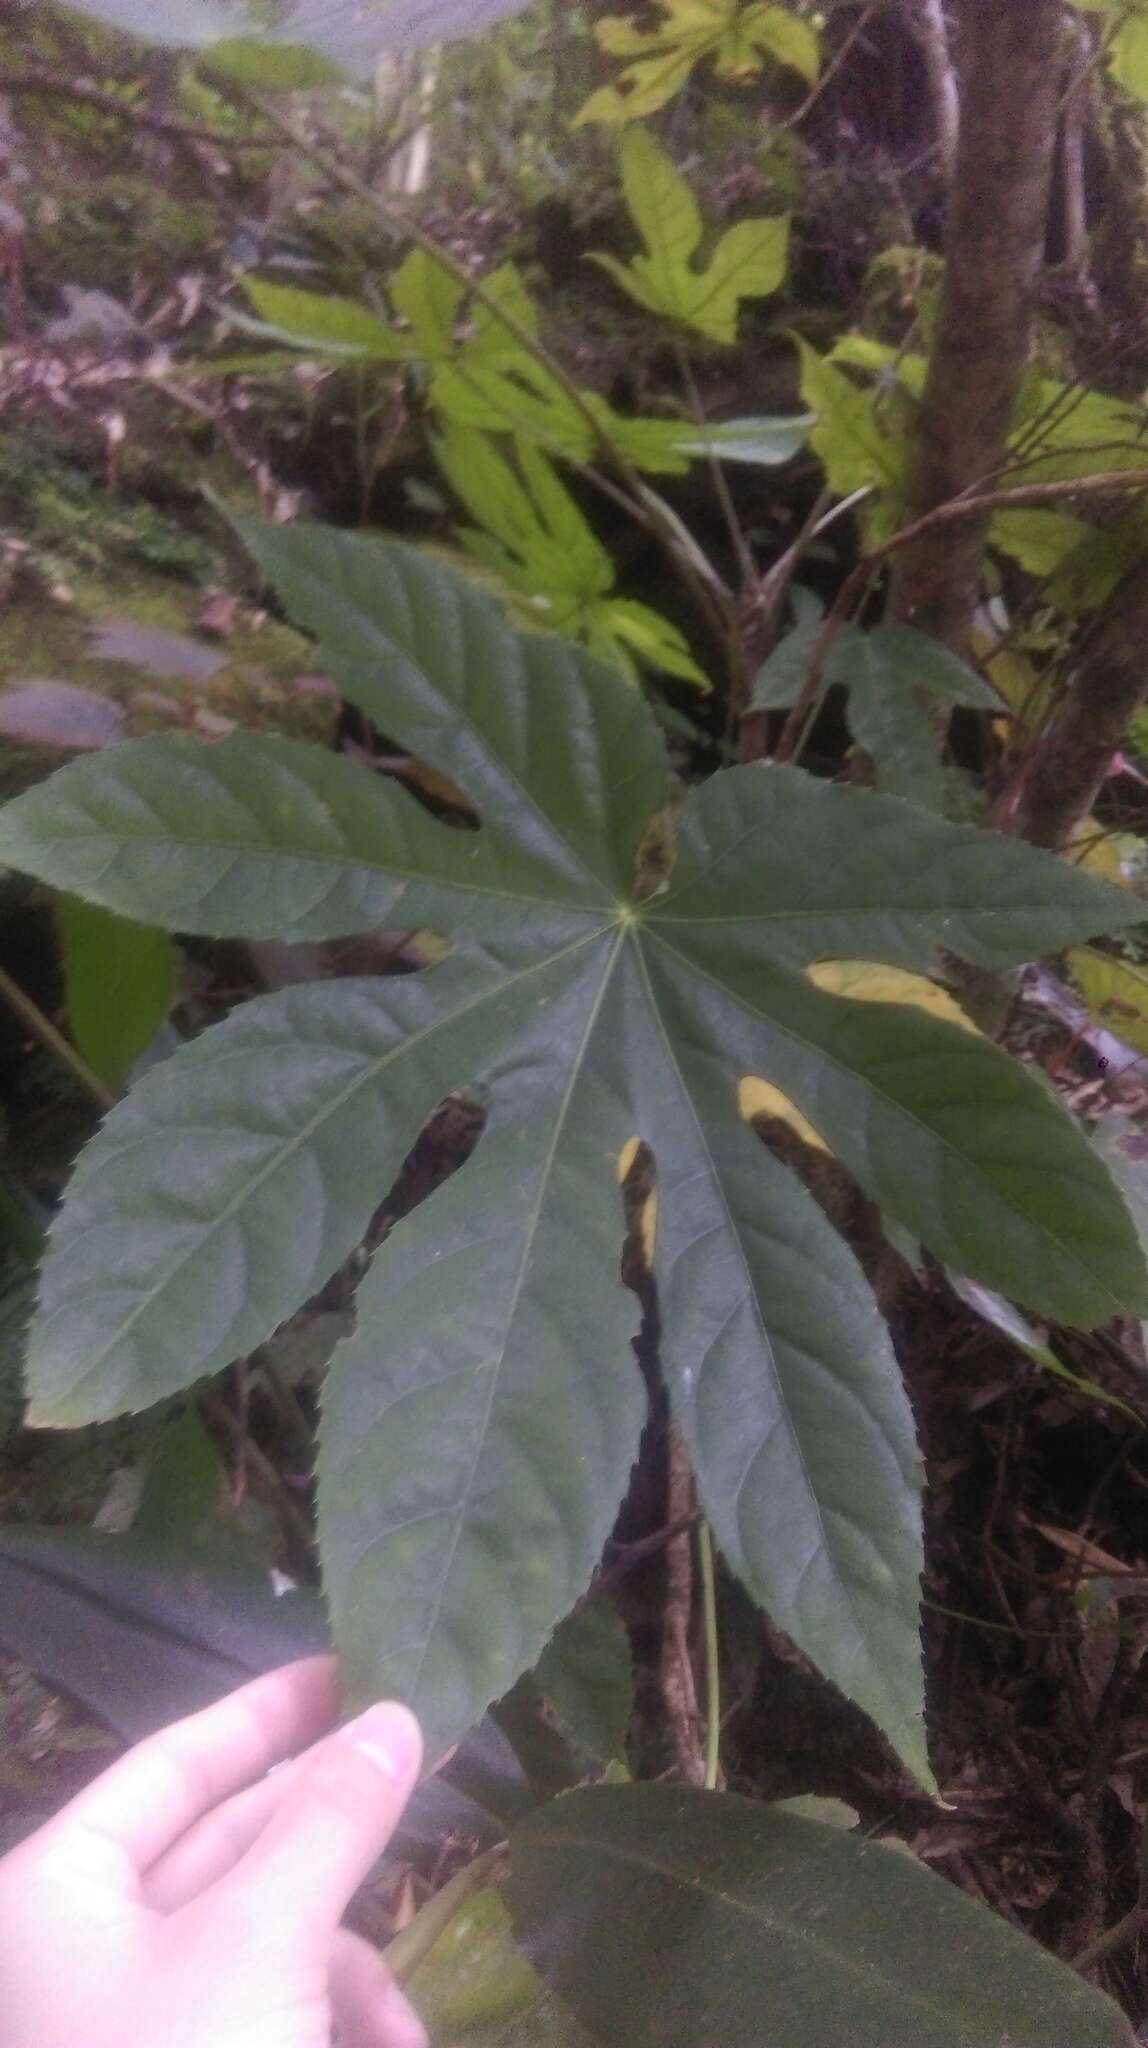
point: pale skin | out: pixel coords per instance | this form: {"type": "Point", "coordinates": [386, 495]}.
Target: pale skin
{"type": "Point", "coordinates": [187, 1899]}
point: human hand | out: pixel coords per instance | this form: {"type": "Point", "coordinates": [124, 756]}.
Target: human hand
{"type": "Point", "coordinates": [187, 1899]}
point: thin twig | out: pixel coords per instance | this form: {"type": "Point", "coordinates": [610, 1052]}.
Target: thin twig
{"type": "Point", "coordinates": [831, 69]}
{"type": "Point", "coordinates": [412, 1944]}
{"type": "Point", "coordinates": [478, 294]}
{"type": "Point", "coordinates": [713, 1667]}
{"type": "Point", "coordinates": [1116, 1937]}
{"type": "Point", "coordinates": [53, 1040]}
{"type": "Point", "coordinates": [856, 585]}
{"type": "Point", "coordinates": [677, 1673]}
{"type": "Point", "coordinates": [737, 539]}
{"type": "Point", "coordinates": [34, 80]}
{"type": "Point", "coordinates": [284, 1399]}
{"type": "Point", "coordinates": [634, 1554]}
{"type": "Point", "coordinates": [294, 1517]}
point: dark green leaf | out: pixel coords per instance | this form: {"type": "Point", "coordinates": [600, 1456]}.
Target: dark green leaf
{"type": "Point", "coordinates": [762, 443]}
{"type": "Point", "coordinates": [586, 1675]}
{"type": "Point", "coordinates": [479, 1426]}
{"type": "Point", "coordinates": [475, 1446]}
{"type": "Point", "coordinates": [141, 1633]}
{"type": "Point", "coordinates": [782, 1377]}
{"type": "Point", "coordinates": [268, 838]}
{"type": "Point", "coordinates": [809, 871]}
{"type": "Point", "coordinates": [666, 1915]}
{"type": "Point", "coordinates": [940, 1127]}
{"type": "Point", "coordinates": [778, 682]}
{"type": "Point", "coordinates": [287, 1131]}
{"type": "Point", "coordinates": [429, 657]}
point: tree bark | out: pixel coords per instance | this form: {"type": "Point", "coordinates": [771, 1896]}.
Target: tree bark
{"type": "Point", "coordinates": [931, 30]}
{"type": "Point", "coordinates": [1090, 722]}
{"type": "Point", "coordinates": [994, 246]}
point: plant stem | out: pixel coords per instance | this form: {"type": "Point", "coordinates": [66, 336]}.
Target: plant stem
{"type": "Point", "coordinates": [53, 1039]}
{"type": "Point", "coordinates": [413, 1944]}
{"type": "Point", "coordinates": [35, 79]}
{"type": "Point", "coordinates": [966, 506]}
{"type": "Point", "coordinates": [713, 1668]}
{"type": "Point", "coordinates": [1124, 1931]}
{"type": "Point", "coordinates": [286, 1402]}
{"type": "Point", "coordinates": [613, 454]}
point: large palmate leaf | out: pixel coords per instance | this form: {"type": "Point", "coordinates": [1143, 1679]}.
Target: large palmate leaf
{"type": "Point", "coordinates": [748, 261]}
{"type": "Point", "coordinates": [697, 1917]}
{"type": "Point", "coordinates": [350, 38]}
{"type": "Point", "coordinates": [479, 1426]}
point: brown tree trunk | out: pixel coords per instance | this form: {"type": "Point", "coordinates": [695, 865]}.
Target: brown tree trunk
{"type": "Point", "coordinates": [1090, 722]}
{"type": "Point", "coordinates": [994, 245]}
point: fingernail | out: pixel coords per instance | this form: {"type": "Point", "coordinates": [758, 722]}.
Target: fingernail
{"type": "Point", "coordinates": [389, 1736]}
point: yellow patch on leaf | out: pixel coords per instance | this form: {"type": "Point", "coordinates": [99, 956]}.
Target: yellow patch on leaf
{"type": "Point", "coordinates": [865, 982]}
{"type": "Point", "coordinates": [627, 1158]}
{"type": "Point", "coordinates": [760, 1098]}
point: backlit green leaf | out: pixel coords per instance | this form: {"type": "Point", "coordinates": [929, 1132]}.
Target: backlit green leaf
{"type": "Point", "coordinates": [320, 321]}
{"type": "Point", "coordinates": [1116, 992]}
{"type": "Point", "coordinates": [733, 37]}
{"type": "Point", "coordinates": [748, 261]}
{"type": "Point", "coordinates": [857, 450]}
{"type": "Point", "coordinates": [119, 984]}
{"type": "Point", "coordinates": [535, 540]}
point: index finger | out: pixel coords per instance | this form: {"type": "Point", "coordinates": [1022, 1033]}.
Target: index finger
{"type": "Point", "coordinates": [145, 1802]}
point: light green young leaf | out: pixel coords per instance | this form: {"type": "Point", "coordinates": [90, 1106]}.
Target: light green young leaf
{"type": "Point", "coordinates": [323, 323]}
{"type": "Point", "coordinates": [857, 452]}
{"type": "Point", "coordinates": [1116, 992]}
{"type": "Point", "coordinates": [995, 1310]}
{"type": "Point", "coordinates": [784, 1930]}
{"type": "Point", "coordinates": [270, 67]}
{"type": "Point", "coordinates": [537, 542]}
{"type": "Point", "coordinates": [478, 1426]}
{"type": "Point", "coordinates": [761, 443]}
{"type": "Point", "coordinates": [1041, 541]}
{"type": "Point", "coordinates": [482, 378]}
{"type": "Point", "coordinates": [731, 36]}
{"type": "Point", "coordinates": [655, 640]}
{"type": "Point", "coordinates": [119, 985]}
{"type": "Point", "coordinates": [748, 261]}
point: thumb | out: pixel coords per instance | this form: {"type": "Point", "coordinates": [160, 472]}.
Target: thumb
{"type": "Point", "coordinates": [331, 1827]}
